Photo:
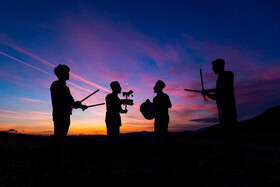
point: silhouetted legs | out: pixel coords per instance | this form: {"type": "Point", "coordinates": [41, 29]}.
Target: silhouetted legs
{"type": "Point", "coordinates": [61, 127]}
{"type": "Point", "coordinates": [161, 131]}
{"type": "Point", "coordinates": [113, 133]}
{"type": "Point", "coordinates": [233, 145]}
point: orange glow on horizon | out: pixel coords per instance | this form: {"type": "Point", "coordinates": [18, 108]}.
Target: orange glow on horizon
{"type": "Point", "coordinates": [47, 130]}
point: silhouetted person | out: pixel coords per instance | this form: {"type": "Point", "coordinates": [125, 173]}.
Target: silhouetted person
{"type": "Point", "coordinates": [224, 96]}
{"type": "Point", "coordinates": [161, 104]}
{"type": "Point", "coordinates": [113, 118]}
{"type": "Point", "coordinates": [62, 103]}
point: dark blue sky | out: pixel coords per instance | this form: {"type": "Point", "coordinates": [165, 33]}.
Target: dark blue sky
{"type": "Point", "coordinates": [253, 23]}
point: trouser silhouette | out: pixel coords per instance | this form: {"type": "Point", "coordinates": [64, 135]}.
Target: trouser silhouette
{"type": "Point", "coordinates": [113, 133]}
{"type": "Point", "coordinates": [232, 142]}
{"type": "Point", "coordinates": [61, 127]}
{"type": "Point", "coordinates": [161, 130]}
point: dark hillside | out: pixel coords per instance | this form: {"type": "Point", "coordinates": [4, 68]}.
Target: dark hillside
{"type": "Point", "coordinates": [268, 121]}
{"type": "Point", "coordinates": [189, 161]}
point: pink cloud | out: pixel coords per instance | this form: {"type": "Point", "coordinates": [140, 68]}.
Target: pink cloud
{"type": "Point", "coordinates": [7, 116]}
{"type": "Point", "coordinates": [26, 64]}
{"type": "Point", "coordinates": [88, 82]}
{"type": "Point", "coordinates": [39, 113]}
{"type": "Point", "coordinates": [27, 53]}
{"type": "Point", "coordinates": [49, 64]}
{"type": "Point", "coordinates": [22, 117]}
{"type": "Point", "coordinates": [9, 76]}
{"type": "Point", "coordinates": [108, 46]}
{"type": "Point", "coordinates": [9, 111]}
{"type": "Point", "coordinates": [32, 100]}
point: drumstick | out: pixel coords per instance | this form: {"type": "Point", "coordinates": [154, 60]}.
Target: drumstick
{"type": "Point", "coordinates": [89, 95]}
{"type": "Point", "coordinates": [96, 105]}
{"type": "Point", "coordinates": [192, 90]}
{"type": "Point", "coordinates": [202, 85]}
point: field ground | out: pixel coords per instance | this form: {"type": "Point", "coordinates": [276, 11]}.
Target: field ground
{"type": "Point", "coordinates": [190, 160]}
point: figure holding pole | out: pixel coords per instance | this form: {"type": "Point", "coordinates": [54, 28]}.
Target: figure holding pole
{"type": "Point", "coordinates": [225, 100]}
{"type": "Point", "coordinates": [62, 103]}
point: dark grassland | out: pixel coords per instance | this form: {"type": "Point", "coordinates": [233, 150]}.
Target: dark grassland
{"type": "Point", "coordinates": [190, 160]}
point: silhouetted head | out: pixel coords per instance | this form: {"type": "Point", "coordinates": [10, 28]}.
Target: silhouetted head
{"type": "Point", "coordinates": [159, 86]}
{"type": "Point", "coordinates": [62, 72]}
{"type": "Point", "coordinates": [218, 66]}
{"type": "Point", "coordinates": [116, 87]}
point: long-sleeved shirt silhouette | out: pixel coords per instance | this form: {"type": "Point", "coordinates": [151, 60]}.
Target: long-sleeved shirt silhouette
{"type": "Point", "coordinates": [62, 100]}
{"type": "Point", "coordinates": [161, 104]}
{"type": "Point", "coordinates": [225, 97]}
{"type": "Point", "coordinates": [113, 104]}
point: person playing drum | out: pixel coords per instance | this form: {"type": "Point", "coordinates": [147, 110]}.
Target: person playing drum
{"type": "Point", "coordinates": [161, 105]}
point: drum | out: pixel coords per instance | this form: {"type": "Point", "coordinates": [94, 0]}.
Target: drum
{"type": "Point", "coordinates": [147, 110]}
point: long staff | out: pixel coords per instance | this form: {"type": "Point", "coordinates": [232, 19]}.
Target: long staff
{"type": "Point", "coordinates": [202, 85]}
{"type": "Point", "coordinates": [96, 105]}
{"type": "Point", "coordinates": [89, 95]}
{"type": "Point", "coordinates": [199, 91]}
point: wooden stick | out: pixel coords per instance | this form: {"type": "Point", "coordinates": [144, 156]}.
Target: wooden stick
{"type": "Point", "coordinates": [202, 85]}
{"type": "Point", "coordinates": [89, 95]}
{"type": "Point", "coordinates": [193, 90]}
{"type": "Point", "coordinates": [96, 105]}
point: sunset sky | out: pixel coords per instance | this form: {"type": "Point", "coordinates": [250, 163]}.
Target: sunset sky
{"type": "Point", "coordinates": [135, 43]}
